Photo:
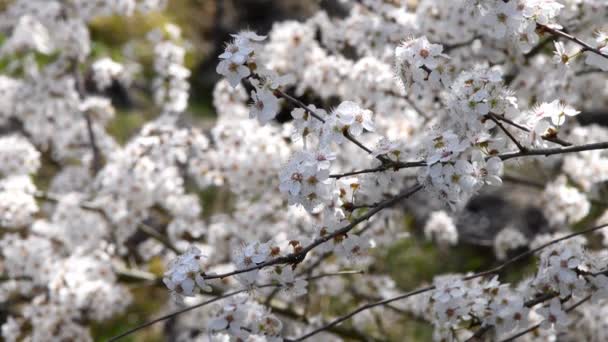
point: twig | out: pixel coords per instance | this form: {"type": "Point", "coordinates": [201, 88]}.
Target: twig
{"type": "Point", "coordinates": [97, 162]}
{"type": "Point", "coordinates": [552, 151]}
{"type": "Point", "coordinates": [295, 258]}
{"type": "Point", "coordinates": [315, 115]}
{"type": "Point", "coordinates": [144, 228]}
{"type": "Point", "coordinates": [360, 309]}
{"type": "Point", "coordinates": [533, 251]}
{"type": "Point", "coordinates": [176, 313]}
{"type": "Point", "coordinates": [494, 118]}
{"type": "Point", "coordinates": [358, 172]}
{"type": "Point", "coordinates": [584, 45]}
{"type": "Point", "coordinates": [526, 129]}
{"type": "Point", "coordinates": [505, 156]}
{"type": "Point", "coordinates": [299, 103]}
{"type": "Point", "coordinates": [340, 331]}
{"type": "Point", "coordinates": [229, 294]}
{"type": "Point", "coordinates": [395, 166]}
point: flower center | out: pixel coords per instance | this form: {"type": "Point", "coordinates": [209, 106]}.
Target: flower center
{"type": "Point", "coordinates": [297, 177]}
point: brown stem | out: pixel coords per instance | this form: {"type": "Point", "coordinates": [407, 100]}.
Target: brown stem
{"type": "Point", "coordinates": [296, 258]}
{"type": "Point", "coordinates": [562, 34]}
{"type": "Point", "coordinates": [493, 117]}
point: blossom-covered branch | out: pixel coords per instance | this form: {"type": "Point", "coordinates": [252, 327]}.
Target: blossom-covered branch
{"type": "Point", "coordinates": [490, 272]}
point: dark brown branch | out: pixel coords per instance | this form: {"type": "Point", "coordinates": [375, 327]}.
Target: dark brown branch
{"type": "Point", "coordinates": [505, 156]}
{"type": "Point", "coordinates": [215, 299]}
{"type": "Point", "coordinates": [315, 115]}
{"type": "Point", "coordinates": [296, 258]}
{"type": "Point", "coordinates": [562, 34]}
{"type": "Point", "coordinates": [526, 129]}
{"type": "Point", "coordinates": [552, 151]}
{"type": "Point", "coordinates": [395, 166]}
{"type": "Point", "coordinates": [176, 313]}
{"type": "Point", "coordinates": [360, 309]}
{"type": "Point", "coordinates": [97, 162]}
{"type": "Point", "coordinates": [494, 118]}
{"type": "Point", "coordinates": [353, 334]}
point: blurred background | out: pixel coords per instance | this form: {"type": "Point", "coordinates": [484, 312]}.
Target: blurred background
{"type": "Point", "coordinates": [206, 25]}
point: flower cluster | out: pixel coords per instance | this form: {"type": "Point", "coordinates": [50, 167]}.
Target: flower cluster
{"type": "Point", "coordinates": [456, 171]}
{"type": "Point", "coordinates": [566, 271]}
{"type": "Point", "coordinates": [517, 20]}
{"type": "Point", "coordinates": [184, 274]}
{"type": "Point", "coordinates": [475, 94]}
{"type": "Point", "coordinates": [171, 87]}
{"type": "Point", "coordinates": [349, 118]}
{"type": "Point", "coordinates": [245, 320]}
{"type": "Point", "coordinates": [238, 59]}
{"type": "Point", "coordinates": [305, 179]}
{"type": "Point", "coordinates": [544, 120]}
{"type": "Point", "coordinates": [421, 64]}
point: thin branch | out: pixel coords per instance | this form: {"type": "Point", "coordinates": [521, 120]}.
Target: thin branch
{"type": "Point", "coordinates": [552, 151]}
{"type": "Point", "coordinates": [505, 156]}
{"type": "Point", "coordinates": [334, 274]}
{"type": "Point", "coordinates": [296, 258]}
{"type": "Point", "coordinates": [49, 197]}
{"type": "Point", "coordinates": [395, 166]}
{"type": "Point", "coordinates": [562, 34]}
{"type": "Point", "coordinates": [97, 162]}
{"type": "Point", "coordinates": [539, 47]}
{"type": "Point", "coordinates": [315, 115]}
{"type": "Point", "coordinates": [340, 331]}
{"type": "Point", "coordinates": [526, 129]}
{"type": "Point", "coordinates": [540, 186]}
{"type": "Point", "coordinates": [415, 107]}
{"type": "Point", "coordinates": [588, 71]}
{"type": "Point", "coordinates": [360, 309]}
{"type": "Point", "coordinates": [358, 172]}
{"type": "Point", "coordinates": [494, 118]}
{"type": "Point", "coordinates": [533, 251]}
{"type": "Point", "coordinates": [432, 287]}
{"type": "Point", "coordinates": [135, 275]}
{"type": "Point", "coordinates": [176, 313]}
{"type": "Point", "coordinates": [215, 299]}
{"type": "Point", "coordinates": [299, 103]}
